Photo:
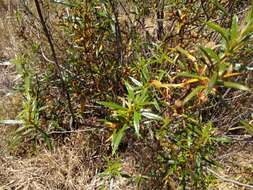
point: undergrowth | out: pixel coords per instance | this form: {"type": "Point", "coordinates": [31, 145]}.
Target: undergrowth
{"type": "Point", "coordinates": [161, 82]}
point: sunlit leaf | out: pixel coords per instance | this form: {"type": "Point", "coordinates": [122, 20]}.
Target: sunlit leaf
{"type": "Point", "coordinates": [136, 82]}
{"type": "Point", "coordinates": [222, 68]}
{"type": "Point", "coordinates": [231, 75]}
{"type": "Point", "coordinates": [137, 118]}
{"type": "Point", "coordinates": [151, 116]}
{"type": "Point", "coordinates": [234, 29]}
{"type": "Point", "coordinates": [223, 139]}
{"type": "Point", "coordinates": [111, 105]}
{"type": "Point", "coordinates": [110, 124]}
{"type": "Point", "coordinates": [236, 85]}
{"type": "Point", "coordinates": [11, 122]}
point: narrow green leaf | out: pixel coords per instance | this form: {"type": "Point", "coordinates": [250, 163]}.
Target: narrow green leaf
{"type": "Point", "coordinates": [137, 118]}
{"type": "Point", "coordinates": [48, 141]}
{"type": "Point", "coordinates": [234, 29]}
{"type": "Point", "coordinates": [247, 31]}
{"type": "Point", "coordinates": [236, 85]}
{"type": "Point", "coordinates": [151, 116]}
{"type": "Point", "coordinates": [210, 54]}
{"type": "Point", "coordinates": [22, 129]}
{"type": "Point", "coordinates": [187, 54]}
{"type": "Point", "coordinates": [249, 17]}
{"type": "Point", "coordinates": [193, 93]}
{"type": "Point", "coordinates": [212, 82]}
{"type": "Point", "coordinates": [155, 103]}
{"type": "Point", "coordinates": [111, 105]}
{"type": "Point", "coordinates": [26, 132]}
{"type": "Point", "coordinates": [130, 91]}
{"type": "Point", "coordinates": [145, 73]}
{"type": "Point", "coordinates": [248, 127]}
{"type": "Point", "coordinates": [142, 98]}
{"type": "Point", "coordinates": [190, 75]}
{"type": "Point", "coordinates": [222, 68]}
{"type": "Point", "coordinates": [117, 137]}
{"type": "Point", "coordinates": [136, 82]}
{"type": "Point", "coordinates": [222, 31]}
{"type": "Point", "coordinates": [223, 139]}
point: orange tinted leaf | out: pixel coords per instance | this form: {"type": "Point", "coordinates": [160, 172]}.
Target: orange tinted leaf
{"type": "Point", "coordinates": [231, 75]}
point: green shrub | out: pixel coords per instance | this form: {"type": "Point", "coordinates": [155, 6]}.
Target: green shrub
{"type": "Point", "coordinates": [81, 53]}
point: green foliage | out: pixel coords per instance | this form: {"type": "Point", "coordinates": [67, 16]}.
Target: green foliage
{"type": "Point", "coordinates": [155, 85]}
{"type": "Point", "coordinates": [113, 169]}
{"type": "Point", "coordinates": [247, 126]}
{"type": "Point", "coordinates": [187, 143]}
{"type": "Point", "coordinates": [30, 114]}
{"type": "Point", "coordinates": [135, 108]}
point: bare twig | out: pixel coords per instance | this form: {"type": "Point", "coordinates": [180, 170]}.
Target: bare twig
{"type": "Point", "coordinates": [50, 41]}
{"type": "Point", "coordinates": [230, 180]}
{"type": "Point", "coordinates": [160, 17]}
{"type": "Point", "coordinates": [117, 30]}
{"type": "Point", "coordinates": [11, 122]}
{"type": "Point", "coordinates": [76, 131]}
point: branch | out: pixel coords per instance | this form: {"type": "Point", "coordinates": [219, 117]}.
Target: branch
{"type": "Point", "coordinates": [229, 180]}
{"type": "Point", "coordinates": [50, 41]}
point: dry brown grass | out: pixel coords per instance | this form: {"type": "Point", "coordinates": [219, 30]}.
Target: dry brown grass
{"type": "Point", "coordinates": [8, 40]}
{"type": "Point", "coordinates": [10, 101]}
{"type": "Point", "coordinates": [72, 166]}
{"type": "Point", "coordinates": [237, 164]}
{"type": "Point", "coordinates": [76, 163]}
{"type": "Point", "coordinates": [76, 166]}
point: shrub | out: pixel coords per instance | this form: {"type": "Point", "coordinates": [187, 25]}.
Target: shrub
{"type": "Point", "coordinates": [80, 53]}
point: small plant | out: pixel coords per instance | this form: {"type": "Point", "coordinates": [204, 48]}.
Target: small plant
{"type": "Point", "coordinates": [135, 108]}
{"type": "Point", "coordinates": [30, 116]}
{"type": "Point", "coordinates": [113, 169]}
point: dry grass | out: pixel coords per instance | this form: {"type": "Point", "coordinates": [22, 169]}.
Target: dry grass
{"type": "Point", "coordinates": [8, 39]}
{"type": "Point", "coordinates": [237, 164]}
{"type": "Point", "coordinates": [72, 166]}
{"type": "Point", "coordinates": [75, 164]}
{"type": "Point", "coordinates": [10, 101]}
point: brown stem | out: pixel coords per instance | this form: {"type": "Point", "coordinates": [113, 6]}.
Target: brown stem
{"type": "Point", "coordinates": [117, 31]}
{"type": "Point", "coordinates": [160, 17]}
{"type": "Point", "coordinates": [56, 62]}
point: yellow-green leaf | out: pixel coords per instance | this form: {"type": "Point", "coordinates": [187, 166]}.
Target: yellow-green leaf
{"type": "Point", "coordinates": [222, 31]}
{"type": "Point", "coordinates": [117, 137]}
{"type": "Point", "coordinates": [236, 85]}
{"type": "Point", "coordinates": [111, 105]}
